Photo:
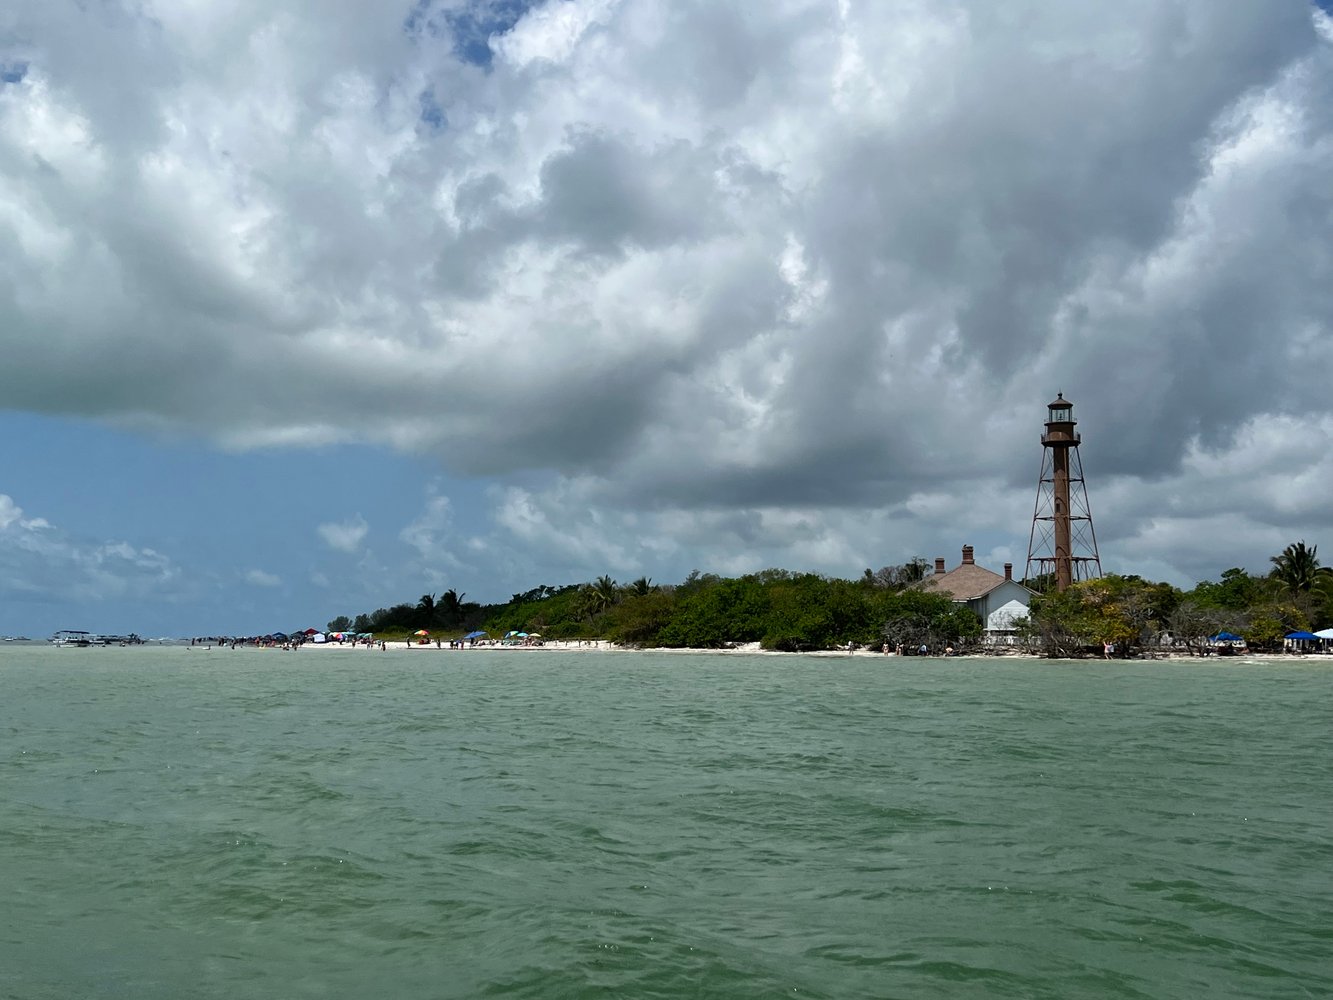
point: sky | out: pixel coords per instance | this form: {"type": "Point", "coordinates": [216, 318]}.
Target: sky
{"type": "Point", "coordinates": [312, 308]}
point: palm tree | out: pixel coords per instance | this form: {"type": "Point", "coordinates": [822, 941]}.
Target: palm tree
{"type": "Point", "coordinates": [451, 602]}
{"type": "Point", "coordinates": [603, 592]}
{"type": "Point", "coordinates": [1297, 568]}
{"type": "Point", "coordinates": [427, 608]}
{"type": "Point", "coordinates": [641, 587]}
{"type": "Point", "coordinates": [914, 570]}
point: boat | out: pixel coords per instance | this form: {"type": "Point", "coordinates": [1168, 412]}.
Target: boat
{"type": "Point", "coordinates": [75, 637]}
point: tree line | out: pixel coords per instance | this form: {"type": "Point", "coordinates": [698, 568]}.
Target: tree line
{"type": "Point", "coordinates": [1134, 615]}
{"type": "Point", "coordinates": [784, 610]}
{"type": "Point", "coordinates": [777, 608]}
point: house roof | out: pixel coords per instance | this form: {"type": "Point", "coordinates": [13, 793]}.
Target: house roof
{"type": "Point", "coordinates": [965, 583]}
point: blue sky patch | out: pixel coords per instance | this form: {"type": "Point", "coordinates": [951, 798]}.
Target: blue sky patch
{"type": "Point", "coordinates": [470, 27]}
{"type": "Point", "coordinates": [432, 114]}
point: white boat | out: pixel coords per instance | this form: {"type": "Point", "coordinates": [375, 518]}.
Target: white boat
{"type": "Point", "coordinates": [74, 637]}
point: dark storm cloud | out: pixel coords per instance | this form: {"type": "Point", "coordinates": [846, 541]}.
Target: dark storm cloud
{"type": "Point", "coordinates": [789, 257]}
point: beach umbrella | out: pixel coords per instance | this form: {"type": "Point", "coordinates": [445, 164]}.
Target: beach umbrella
{"type": "Point", "coordinates": [1301, 636]}
{"type": "Point", "coordinates": [421, 631]}
{"type": "Point", "coordinates": [475, 635]}
{"type": "Point", "coordinates": [1225, 637]}
{"type": "Point", "coordinates": [1325, 633]}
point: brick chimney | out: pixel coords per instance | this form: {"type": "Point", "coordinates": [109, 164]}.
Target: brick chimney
{"type": "Point", "coordinates": [1008, 571]}
{"type": "Point", "coordinates": [939, 566]}
{"type": "Point", "coordinates": [967, 555]}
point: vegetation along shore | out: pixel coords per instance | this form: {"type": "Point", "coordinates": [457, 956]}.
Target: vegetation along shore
{"type": "Point", "coordinates": [893, 607]}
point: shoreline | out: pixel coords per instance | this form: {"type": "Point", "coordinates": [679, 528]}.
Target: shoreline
{"type": "Point", "coordinates": [754, 649]}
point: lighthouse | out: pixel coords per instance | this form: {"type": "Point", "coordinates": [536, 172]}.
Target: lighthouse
{"type": "Point", "coordinates": [1062, 546]}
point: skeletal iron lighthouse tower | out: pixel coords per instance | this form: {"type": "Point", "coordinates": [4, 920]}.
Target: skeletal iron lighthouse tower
{"type": "Point", "coordinates": [1062, 548]}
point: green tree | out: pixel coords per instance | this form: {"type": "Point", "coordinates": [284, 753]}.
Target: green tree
{"type": "Point", "coordinates": [713, 613]}
{"type": "Point", "coordinates": [1322, 594]}
{"type": "Point", "coordinates": [897, 577]}
{"type": "Point", "coordinates": [914, 618]}
{"type": "Point", "coordinates": [1058, 622]}
{"type": "Point", "coordinates": [340, 624]}
{"type": "Point", "coordinates": [638, 619]}
{"type": "Point", "coordinates": [1236, 591]}
{"type": "Point", "coordinates": [1195, 625]}
{"type": "Point", "coordinates": [1265, 632]}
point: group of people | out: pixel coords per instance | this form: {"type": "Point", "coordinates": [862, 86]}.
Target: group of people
{"type": "Point", "coordinates": [921, 650]}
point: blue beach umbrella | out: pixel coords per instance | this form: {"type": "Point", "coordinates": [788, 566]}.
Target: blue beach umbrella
{"type": "Point", "coordinates": [1225, 637]}
{"type": "Point", "coordinates": [475, 635]}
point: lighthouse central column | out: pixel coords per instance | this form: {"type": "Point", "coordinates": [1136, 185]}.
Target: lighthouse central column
{"type": "Point", "coordinates": [1064, 566]}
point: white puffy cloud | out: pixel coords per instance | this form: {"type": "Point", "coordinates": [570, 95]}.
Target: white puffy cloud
{"type": "Point", "coordinates": [787, 281]}
{"type": "Point", "coordinates": [344, 536]}
{"type": "Point", "coordinates": [440, 549]}
{"type": "Point", "coordinates": [260, 578]}
{"type": "Point", "coordinates": [40, 562]}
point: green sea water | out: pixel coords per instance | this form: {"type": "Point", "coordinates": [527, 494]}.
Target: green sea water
{"type": "Point", "coordinates": [534, 824]}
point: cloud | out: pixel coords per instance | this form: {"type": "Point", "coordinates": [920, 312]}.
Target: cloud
{"type": "Point", "coordinates": [739, 271]}
{"type": "Point", "coordinates": [259, 578]}
{"type": "Point", "coordinates": [40, 562]}
{"type": "Point", "coordinates": [344, 536]}
{"type": "Point", "coordinates": [433, 537]}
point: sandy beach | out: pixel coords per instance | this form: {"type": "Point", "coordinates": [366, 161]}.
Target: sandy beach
{"type": "Point", "coordinates": [750, 649]}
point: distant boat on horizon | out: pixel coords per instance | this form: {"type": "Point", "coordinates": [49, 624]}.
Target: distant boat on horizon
{"type": "Point", "coordinates": [75, 637]}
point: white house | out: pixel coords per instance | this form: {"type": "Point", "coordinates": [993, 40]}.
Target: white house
{"type": "Point", "coordinates": [997, 600]}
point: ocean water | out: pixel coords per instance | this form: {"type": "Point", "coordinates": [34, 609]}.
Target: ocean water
{"type": "Point", "coordinates": [535, 824]}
